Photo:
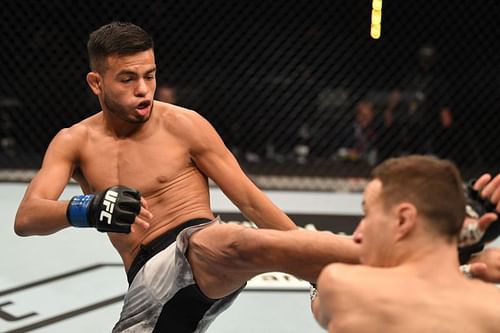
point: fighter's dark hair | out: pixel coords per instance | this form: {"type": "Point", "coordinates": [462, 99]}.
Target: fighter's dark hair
{"type": "Point", "coordinates": [122, 38]}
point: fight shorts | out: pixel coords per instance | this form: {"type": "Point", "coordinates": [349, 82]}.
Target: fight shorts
{"type": "Point", "coordinates": [162, 295]}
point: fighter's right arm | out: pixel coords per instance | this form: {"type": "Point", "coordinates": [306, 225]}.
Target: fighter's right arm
{"type": "Point", "coordinates": [40, 212]}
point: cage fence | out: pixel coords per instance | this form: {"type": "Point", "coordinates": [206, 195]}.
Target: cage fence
{"type": "Point", "coordinates": [299, 91]}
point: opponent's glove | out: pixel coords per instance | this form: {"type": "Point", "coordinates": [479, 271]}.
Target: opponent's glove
{"type": "Point", "coordinates": [113, 210]}
{"type": "Point", "coordinates": [474, 239]}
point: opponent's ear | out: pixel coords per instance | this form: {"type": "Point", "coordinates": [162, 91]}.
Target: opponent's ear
{"type": "Point", "coordinates": [407, 219]}
{"type": "Point", "coordinates": [94, 81]}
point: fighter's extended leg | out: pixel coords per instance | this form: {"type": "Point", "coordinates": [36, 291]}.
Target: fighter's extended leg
{"type": "Point", "coordinates": [224, 256]}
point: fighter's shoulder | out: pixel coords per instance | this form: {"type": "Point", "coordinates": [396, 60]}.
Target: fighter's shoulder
{"type": "Point", "coordinates": [345, 275]}
{"type": "Point", "coordinates": [178, 118]}
{"type": "Point", "coordinates": [483, 299]}
{"type": "Point", "coordinates": [488, 290]}
{"type": "Point", "coordinates": [339, 273]}
{"type": "Point", "coordinates": [76, 134]}
{"type": "Point", "coordinates": [340, 268]}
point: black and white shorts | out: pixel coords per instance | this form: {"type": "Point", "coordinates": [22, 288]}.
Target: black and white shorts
{"type": "Point", "coordinates": [163, 296]}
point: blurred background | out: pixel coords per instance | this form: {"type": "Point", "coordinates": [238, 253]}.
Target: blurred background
{"type": "Point", "coordinates": [296, 89]}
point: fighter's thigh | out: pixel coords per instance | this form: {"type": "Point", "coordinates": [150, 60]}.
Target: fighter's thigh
{"type": "Point", "coordinates": [219, 258]}
{"type": "Point", "coordinates": [217, 245]}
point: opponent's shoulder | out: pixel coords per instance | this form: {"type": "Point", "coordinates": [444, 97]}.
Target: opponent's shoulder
{"type": "Point", "coordinates": [353, 277]}
{"type": "Point", "coordinates": [482, 302]}
{"type": "Point", "coordinates": [342, 284]}
{"type": "Point", "coordinates": [342, 270]}
{"type": "Point", "coordinates": [484, 290]}
{"type": "Point", "coordinates": [339, 274]}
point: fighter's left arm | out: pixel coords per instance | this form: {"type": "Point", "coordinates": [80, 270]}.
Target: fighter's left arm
{"type": "Point", "coordinates": [215, 160]}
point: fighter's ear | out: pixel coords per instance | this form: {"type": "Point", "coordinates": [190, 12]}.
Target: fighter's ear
{"type": "Point", "coordinates": [94, 81]}
{"type": "Point", "coordinates": [407, 218]}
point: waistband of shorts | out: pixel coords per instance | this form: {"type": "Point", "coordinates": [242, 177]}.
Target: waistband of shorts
{"type": "Point", "coordinates": [157, 245]}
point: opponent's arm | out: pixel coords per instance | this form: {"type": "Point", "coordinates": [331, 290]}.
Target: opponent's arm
{"type": "Point", "coordinates": [482, 225]}
{"type": "Point", "coordinates": [214, 159]}
{"type": "Point", "coordinates": [317, 310]}
{"type": "Point", "coordinates": [489, 258]}
{"type": "Point", "coordinates": [323, 300]}
{"type": "Point", "coordinates": [318, 313]}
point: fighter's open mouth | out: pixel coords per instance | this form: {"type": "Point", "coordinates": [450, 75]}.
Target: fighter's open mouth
{"type": "Point", "coordinates": [143, 105]}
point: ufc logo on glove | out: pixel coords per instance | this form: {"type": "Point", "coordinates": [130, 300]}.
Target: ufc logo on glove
{"type": "Point", "coordinates": [109, 206]}
{"type": "Point", "coordinates": [112, 210]}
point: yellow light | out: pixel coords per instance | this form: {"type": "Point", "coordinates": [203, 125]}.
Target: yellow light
{"type": "Point", "coordinates": [377, 4]}
{"type": "Point", "coordinates": [375, 31]}
{"type": "Point", "coordinates": [376, 24]}
{"type": "Point", "coordinates": [376, 16]}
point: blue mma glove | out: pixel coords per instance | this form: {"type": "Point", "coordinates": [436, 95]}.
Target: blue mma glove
{"type": "Point", "coordinates": [476, 207]}
{"type": "Point", "coordinates": [113, 210]}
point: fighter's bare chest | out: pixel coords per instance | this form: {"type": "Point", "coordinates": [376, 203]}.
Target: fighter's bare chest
{"type": "Point", "coordinates": [143, 164]}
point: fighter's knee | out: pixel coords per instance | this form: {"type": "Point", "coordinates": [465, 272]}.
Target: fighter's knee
{"type": "Point", "coordinates": [247, 246]}
{"type": "Point", "coordinates": [229, 245]}
{"type": "Point", "coordinates": [236, 245]}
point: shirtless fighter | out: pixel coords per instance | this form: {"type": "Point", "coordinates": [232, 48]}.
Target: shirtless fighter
{"type": "Point", "coordinates": [143, 167]}
{"type": "Point", "coordinates": [409, 280]}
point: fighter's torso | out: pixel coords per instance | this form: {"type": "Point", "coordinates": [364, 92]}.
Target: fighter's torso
{"type": "Point", "coordinates": [156, 161]}
{"type": "Point", "coordinates": [393, 303]}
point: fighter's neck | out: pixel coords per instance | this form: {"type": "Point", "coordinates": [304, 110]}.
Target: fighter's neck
{"type": "Point", "coordinates": [120, 128]}
{"type": "Point", "coordinates": [432, 259]}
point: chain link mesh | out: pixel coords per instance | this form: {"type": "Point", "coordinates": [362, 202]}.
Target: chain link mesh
{"type": "Point", "coordinates": [295, 88]}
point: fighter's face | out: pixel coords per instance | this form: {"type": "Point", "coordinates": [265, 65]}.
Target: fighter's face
{"type": "Point", "coordinates": [374, 233]}
{"type": "Point", "coordinates": [128, 86]}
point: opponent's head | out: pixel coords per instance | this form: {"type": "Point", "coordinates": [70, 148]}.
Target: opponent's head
{"type": "Point", "coordinates": [409, 196]}
{"type": "Point", "coordinates": [122, 70]}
